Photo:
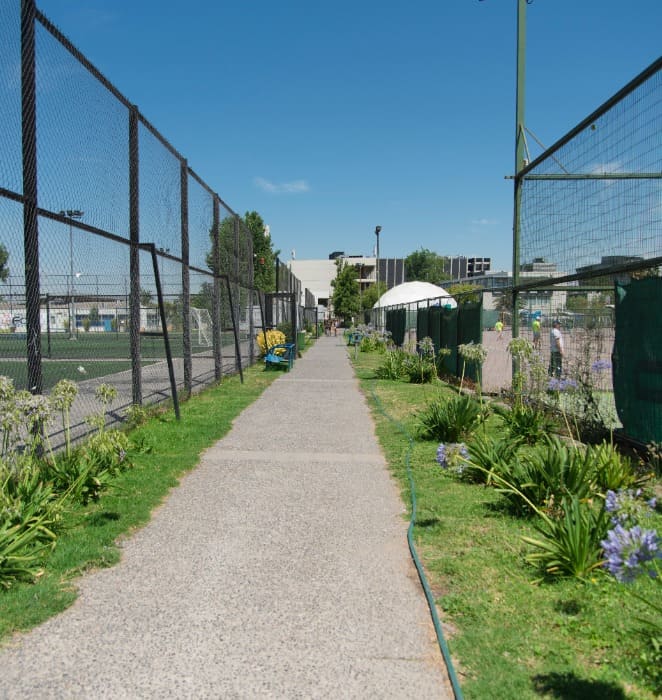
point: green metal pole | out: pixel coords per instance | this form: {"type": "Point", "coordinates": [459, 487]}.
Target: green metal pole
{"type": "Point", "coordinates": [520, 151]}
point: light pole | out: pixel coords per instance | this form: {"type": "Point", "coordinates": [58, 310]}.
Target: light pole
{"type": "Point", "coordinates": [377, 232]}
{"type": "Point", "coordinates": [72, 214]}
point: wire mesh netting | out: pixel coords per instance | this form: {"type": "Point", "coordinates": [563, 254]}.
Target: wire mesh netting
{"type": "Point", "coordinates": [118, 264]}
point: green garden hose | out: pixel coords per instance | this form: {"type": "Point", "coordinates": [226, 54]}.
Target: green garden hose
{"type": "Point", "coordinates": [457, 691]}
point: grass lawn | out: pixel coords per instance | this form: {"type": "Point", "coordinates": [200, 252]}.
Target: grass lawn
{"type": "Point", "coordinates": [511, 638]}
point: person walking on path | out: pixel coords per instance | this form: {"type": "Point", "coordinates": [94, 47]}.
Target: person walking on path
{"type": "Point", "coordinates": [556, 350]}
{"type": "Point", "coordinates": [535, 327]}
{"type": "Point", "coordinates": [498, 327]}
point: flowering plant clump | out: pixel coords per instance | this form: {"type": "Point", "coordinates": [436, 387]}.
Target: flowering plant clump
{"type": "Point", "coordinates": [627, 507]}
{"type": "Point", "coordinates": [273, 337]}
{"type": "Point", "coordinates": [475, 354]}
{"type": "Point", "coordinates": [62, 397]}
{"type": "Point", "coordinates": [601, 365]}
{"type": "Point", "coordinates": [105, 394]}
{"type": "Point", "coordinates": [452, 456]}
{"type": "Point", "coordinates": [555, 384]}
{"type": "Point", "coordinates": [631, 552]}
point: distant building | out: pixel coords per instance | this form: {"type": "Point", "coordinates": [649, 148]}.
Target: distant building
{"type": "Point", "coordinates": [478, 266]}
{"type": "Point", "coordinates": [607, 262]}
{"type": "Point", "coordinates": [458, 267]}
{"type": "Point", "coordinates": [317, 275]}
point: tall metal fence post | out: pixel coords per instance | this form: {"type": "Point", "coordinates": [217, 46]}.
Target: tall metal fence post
{"type": "Point", "coordinates": [164, 328]}
{"type": "Point", "coordinates": [520, 152]}
{"type": "Point", "coordinates": [134, 257]}
{"type": "Point", "coordinates": [237, 296]}
{"type": "Point", "coordinates": [216, 293]}
{"type": "Point", "coordinates": [186, 279]}
{"type": "Point", "coordinates": [30, 220]}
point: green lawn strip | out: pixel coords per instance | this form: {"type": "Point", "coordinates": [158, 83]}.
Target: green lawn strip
{"type": "Point", "coordinates": [88, 535]}
{"type": "Point", "coordinates": [512, 638]}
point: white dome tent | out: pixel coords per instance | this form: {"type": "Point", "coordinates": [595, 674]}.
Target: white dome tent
{"type": "Point", "coordinates": [415, 293]}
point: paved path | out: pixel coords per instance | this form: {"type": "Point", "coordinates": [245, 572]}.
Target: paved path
{"type": "Point", "coordinates": [279, 568]}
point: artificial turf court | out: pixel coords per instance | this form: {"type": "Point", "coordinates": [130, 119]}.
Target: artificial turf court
{"type": "Point", "coordinates": [86, 355]}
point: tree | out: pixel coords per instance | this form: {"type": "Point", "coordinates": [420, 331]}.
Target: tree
{"type": "Point", "coordinates": [94, 316]}
{"type": "Point", "coordinates": [425, 266]}
{"type": "Point", "coordinates": [371, 294]}
{"type": "Point", "coordinates": [504, 302]}
{"type": "Point", "coordinates": [145, 297]}
{"type": "Point", "coordinates": [264, 256]}
{"type": "Point", "coordinates": [346, 302]}
{"type": "Point", "coordinates": [4, 270]}
{"type": "Point", "coordinates": [463, 292]}
{"type": "Point", "coordinates": [204, 298]}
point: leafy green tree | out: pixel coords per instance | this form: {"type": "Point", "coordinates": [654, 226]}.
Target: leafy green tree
{"type": "Point", "coordinates": [4, 257]}
{"type": "Point", "coordinates": [371, 294]}
{"type": "Point", "coordinates": [145, 298]}
{"type": "Point", "coordinates": [345, 298]}
{"type": "Point", "coordinates": [203, 299]}
{"type": "Point", "coordinates": [464, 292]}
{"type": "Point", "coordinates": [264, 255]}
{"type": "Point", "coordinates": [425, 266]}
{"type": "Point", "coordinates": [230, 260]}
{"type": "Point", "coordinates": [94, 316]}
{"type": "Point", "coordinates": [504, 302]}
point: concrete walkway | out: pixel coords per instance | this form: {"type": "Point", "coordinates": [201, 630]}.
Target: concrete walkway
{"type": "Point", "coordinates": [279, 568]}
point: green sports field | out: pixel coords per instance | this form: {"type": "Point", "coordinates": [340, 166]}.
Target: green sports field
{"type": "Point", "coordinates": [85, 356]}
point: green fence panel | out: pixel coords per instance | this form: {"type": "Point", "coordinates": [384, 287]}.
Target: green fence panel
{"type": "Point", "coordinates": [637, 359]}
{"type": "Point", "coordinates": [448, 339]}
{"type": "Point", "coordinates": [395, 324]}
{"type": "Point", "coordinates": [434, 326]}
{"type": "Point", "coordinates": [469, 330]}
{"type": "Point", "coordinates": [421, 324]}
{"type": "Point", "coordinates": [399, 325]}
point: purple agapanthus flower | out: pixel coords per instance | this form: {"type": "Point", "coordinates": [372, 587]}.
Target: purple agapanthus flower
{"type": "Point", "coordinates": [631, 552]}
{"type": "Point", "coordinates": [452, 456]}
{"type": "Point", "coordinates": [627, 507]}
{"type": "Point", "coordinates": [555, 384]}
{"type": "Point", "coordinates": [601, 365]}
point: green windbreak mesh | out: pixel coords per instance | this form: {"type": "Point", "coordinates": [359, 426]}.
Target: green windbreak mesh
{"type": "Point", "coordinates": [434, 326]}
{"type": "Point", "coordinates": [395, 323]}
{"type": "Point", "coordinates": [469, 330]}
{"type": "Point", "coordinates": [637, 359]}
{"type": "Point", "coordinates": [448, 339]}
{"type": "Point", "coordinates": [422, 324]}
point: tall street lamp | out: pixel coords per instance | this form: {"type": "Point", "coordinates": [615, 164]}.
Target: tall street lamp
{"type": "Point", "coordinates": [72, 214]}
{"type": "Point", "coordinates": [377, 232]}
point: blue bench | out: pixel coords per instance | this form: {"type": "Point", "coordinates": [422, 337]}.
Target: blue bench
{"type": "Point", "coordinates": [281, 355]}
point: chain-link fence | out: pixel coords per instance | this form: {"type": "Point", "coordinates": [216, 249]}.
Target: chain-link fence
{"type": "Point", "coordinates": [118, 263]}
{"type": "Point", "coordinates": [588, 251]}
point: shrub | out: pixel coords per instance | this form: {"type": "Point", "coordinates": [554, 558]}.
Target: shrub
{"type": "Point", "coordinates": [570, 545]}
{"type": "Point", "coordinates": [488, 456]}
{"type": "Point", "coordinates": [547, 474]}
{"type": "Point", "coordinates": [392, 366]}
{"type": "Point", "coordinates": [613, 471]}
{"type": "Point", "coordinates": [526, 422]}
{"type": "Point", "coordinates": [450, 420]}
{"type": "Point", "coordinates": [419, 369]}
{"type": "Point", "coordinates": [273, 337]}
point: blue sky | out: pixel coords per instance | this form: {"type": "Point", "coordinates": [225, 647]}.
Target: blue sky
{"type": "Point", "coordinates": [331, 118]}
